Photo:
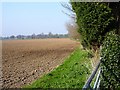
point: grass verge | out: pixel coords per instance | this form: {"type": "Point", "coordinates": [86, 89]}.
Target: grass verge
{"type": "Point", "coordinates": [71, 74]}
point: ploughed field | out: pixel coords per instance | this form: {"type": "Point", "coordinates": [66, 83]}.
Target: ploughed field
{"type": "Point", "coordinates": [24, 61]}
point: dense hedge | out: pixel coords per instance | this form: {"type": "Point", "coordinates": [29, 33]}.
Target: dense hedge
{"type": "Point", "coordinates": [110, 61]}
{"type": "Point", "coordinates": [99, 23]}
{"type": "Point", "coordinates": [94, 20]}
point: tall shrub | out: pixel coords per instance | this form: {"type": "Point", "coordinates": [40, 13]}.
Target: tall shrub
{"type": "Point", "coordinates": [94, 20]}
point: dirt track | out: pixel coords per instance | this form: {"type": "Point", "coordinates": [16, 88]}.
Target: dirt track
{"type": "Point", "coordinates": [26, 60]}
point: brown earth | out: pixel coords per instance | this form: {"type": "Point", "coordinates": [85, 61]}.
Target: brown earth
{"type": "Point", "coordinates": [24, 61]}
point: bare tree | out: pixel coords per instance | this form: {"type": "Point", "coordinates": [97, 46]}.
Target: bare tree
{"type": "Point", "coordinates": [72, 28]}
{"type": "Point", "coordinates": [68, 6]}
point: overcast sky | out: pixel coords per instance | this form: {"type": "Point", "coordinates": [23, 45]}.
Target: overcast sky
{"type": "Point", "coordinates": [26, 18]}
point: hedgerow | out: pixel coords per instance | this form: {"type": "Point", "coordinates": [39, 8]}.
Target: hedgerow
{"type": "Point", "coordinates": [99, 25]}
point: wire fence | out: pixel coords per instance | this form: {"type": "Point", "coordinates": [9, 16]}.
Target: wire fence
{"type": "Point", "coordinates": [97, 73]}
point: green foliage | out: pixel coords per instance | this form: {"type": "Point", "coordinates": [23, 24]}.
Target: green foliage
{"type": "Point", "coordinates": [110, 62]}
{"type": "Point", "coordinates": [73, 73]}
{"type": "Point", "coordinates": [94, 20]}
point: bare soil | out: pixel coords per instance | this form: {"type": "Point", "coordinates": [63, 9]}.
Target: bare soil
{"type": "Point", "coordinates": [24, 61]}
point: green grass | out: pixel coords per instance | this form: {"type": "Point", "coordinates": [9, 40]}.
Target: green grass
{"type": "Point", "coordinates": [73, 73]}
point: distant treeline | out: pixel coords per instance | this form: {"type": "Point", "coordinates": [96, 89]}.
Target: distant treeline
{"type": "Point", "coordinates": [38, 36]}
